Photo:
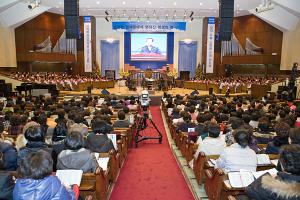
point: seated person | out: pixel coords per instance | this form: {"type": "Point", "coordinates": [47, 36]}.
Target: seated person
{"type": "Point", "coordinates": [186, 124]}
{"type": "Point", "coordinates": [132, 106]}
{"type": "Point", "coordinates": [128, 115]}
{"type": "Point", "coordinates": [238, 156]}
{"type": "Point", "coordinates": [213, 144]}
{"type": "Point", "coordinates": [36, 180]}
{"type": "Point", "coordinates": [201, 127]}
{"type": "Point", "coordinates": [286, 184]}
{"type": "Point", "coordinates": [76, 156]}
{"type": "Point", "coordinates": [282, 138]}
{"type": "Point", "coordinates": [16, 127]}
{"type": "Point", "coordinates": [180, 119]}
{"type": "Point", "coordinates": [8, 153]}
{"type": "Point", "coordinates": [235, 123]}
{"type": "Point", "coordinates": [192, 112]}
{"type": "Point", "coordinates": [264, 134]}
{"type": "Point", "coordinates": [254, 120]}
{"type": "Point", "coordinates": [35, 141]}
{"type": "Point", "coordinates": [175, 113]}
{"type": "Point", "coordinates": [79, 125]}
{"type": "Point", "coordinates": [294, 135]}
{"type": "Point", "coordinates": [97, 141]}
{"type": "Point", "coordinates": [121, 122]}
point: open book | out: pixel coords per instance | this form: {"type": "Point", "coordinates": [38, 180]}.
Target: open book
{"type": "Point", "coordinates": [263, 159]}
{"type": "Point", "coordinates": [113, 138]}
{"type": "Point", "coordinates": [103, 162]}
{"type": "Point", "coordinates": [258, 174]}
{"type": "Point", "coordinates": [70, 176]}
{"type": "Point", "coordinates": [240, 179]}
{"type": "Point", "coordinates": [243, 178]}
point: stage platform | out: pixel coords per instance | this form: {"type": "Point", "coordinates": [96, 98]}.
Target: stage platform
{"type": "Point", "coordinates": [122, 92]}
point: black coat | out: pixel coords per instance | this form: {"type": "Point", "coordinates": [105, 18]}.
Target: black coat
{"type": "Point", "coordinates": [99, 143]}
{"type": "Point", "coordinates": [9, 159]}
{"type": "Point", "coordinates": [34, 147]}
{"type": "Point", "coordinates": [283, 187]}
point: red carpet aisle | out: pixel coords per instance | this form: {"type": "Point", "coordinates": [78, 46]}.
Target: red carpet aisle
{"type": "Point", "coordinates": [151, 172]}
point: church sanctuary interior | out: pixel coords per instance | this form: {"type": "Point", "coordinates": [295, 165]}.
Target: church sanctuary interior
{"type": "Point", "coordinates": [149, 100]}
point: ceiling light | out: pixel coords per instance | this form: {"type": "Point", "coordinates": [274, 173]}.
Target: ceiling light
{"type": "Point", "coordinates": [175, 3]}
{"type": "Point", "coordinates": [149, 2]}
{"type": "Point", "coordinates": [123, 2]}
{"type": "Point", "coordinates": [98, 2]}
{"type": "Point", "coordinates": [33, 4]}
{"type": "Point", "coordinates": [201, 3]}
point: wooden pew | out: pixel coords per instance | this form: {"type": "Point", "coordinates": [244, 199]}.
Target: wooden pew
{"type": "Point", "coordinates": [95, 184]}
{"type": "Point", "coordinates": [217, 189]}
{"type": "Point", "coordinates": [213, 184]}
{"type": "Point", "coordinates": [200, 164]}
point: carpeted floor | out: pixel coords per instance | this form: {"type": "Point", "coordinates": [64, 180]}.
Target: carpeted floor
{"type": "Point", "coordinates": [151, 172]}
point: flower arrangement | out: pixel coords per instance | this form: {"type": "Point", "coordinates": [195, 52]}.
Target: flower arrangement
{"type": "Point", "coordinates": [172, 73]}
{"type": "Point", "coordinates": [124, 74]}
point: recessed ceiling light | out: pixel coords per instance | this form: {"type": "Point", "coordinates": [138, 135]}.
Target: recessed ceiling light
{"type": "Point", "coordinates": [175, 3]}
{"type": "Point", "coordinates": [123, 2]}
{"type": "Point", "coordinates": [149, 2]}
{"type": "Point", "coordinates": [98, 2]}
{"type": "Point", "coordinates": [201, 3]}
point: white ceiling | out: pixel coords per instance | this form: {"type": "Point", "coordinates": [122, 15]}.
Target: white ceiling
{"type": "Point", "coordinates": [145, 8]}
{"type": "Point", "coordinates": [284, 16]}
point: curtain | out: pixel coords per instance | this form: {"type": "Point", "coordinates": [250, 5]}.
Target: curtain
{"type": "Point", "coordinates": [187, 57]}
{"type": "Point", "coordinates": [110, 59]}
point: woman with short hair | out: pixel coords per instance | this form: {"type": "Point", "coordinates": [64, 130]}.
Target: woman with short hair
{"type": "Point", "coordinates": [239, 155]}
{"type": "Point", "coordinates": [76, 156]}
{"type": "Point", "coordinates": [36, 180]}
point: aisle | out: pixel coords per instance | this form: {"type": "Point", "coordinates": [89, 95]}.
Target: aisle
{"type": "Point", "coordinates": [151, 172]}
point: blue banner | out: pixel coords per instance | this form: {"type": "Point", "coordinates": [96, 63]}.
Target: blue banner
{"type": "Point", "coordinates": [211, 20]}
{"type": "Point", "coordinates": [149, 26]}
{"type": "Point", "coordinates": [86, 19]}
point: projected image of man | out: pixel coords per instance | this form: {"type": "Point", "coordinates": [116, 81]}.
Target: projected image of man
{"type": "Point", "coordinates": [149, 47]}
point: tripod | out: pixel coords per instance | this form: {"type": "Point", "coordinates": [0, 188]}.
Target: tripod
{"type": "Point", "coordinates": [142, 124]}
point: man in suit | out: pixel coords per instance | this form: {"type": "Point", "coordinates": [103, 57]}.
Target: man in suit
{"type": "Point", "coordinates": [149, 48]}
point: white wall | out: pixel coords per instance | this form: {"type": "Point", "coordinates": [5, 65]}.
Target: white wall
{"type": "Point", "coordinates": [104, 31]}
{"type": "Point", "coordinates": [290, 48]}
{"type": "Point", "coordinates": [7, 47]}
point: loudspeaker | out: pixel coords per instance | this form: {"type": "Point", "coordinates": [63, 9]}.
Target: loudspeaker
{"type": "Point", "coordinates": [71, 12]}
{"type": "Point", "coordinates": [211, 91]}
{"type": "Point", "coordinates": [71, 7]}
{"type": "Point", "coordinates": [195, 92]}
{"type": "Point", "coordinates": [105, 92]}
{"type": "Point", "coordinates": [226, 11]}
{"type": "Point", "coordinates": [72, 27]}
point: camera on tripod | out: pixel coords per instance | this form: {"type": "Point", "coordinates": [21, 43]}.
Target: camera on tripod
{"type": "Point", "coordinates": [143, 119]}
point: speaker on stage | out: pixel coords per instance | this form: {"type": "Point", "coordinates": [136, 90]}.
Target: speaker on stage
{"type": "Point", "coordinates": [195, 92]}
{"type": "Point", "coordinates": [89, 89]}
{"type": "Point", "coordinates": [105, 92]}
{"type": "Point", "coordinates": [211, 91]}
